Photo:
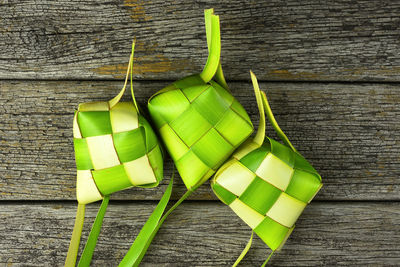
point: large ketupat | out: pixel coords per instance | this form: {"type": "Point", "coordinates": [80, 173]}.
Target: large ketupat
{"type": "Point", "coordinates": [115, 149]}
{"type": "Point", "coordinates": [199, 120]}
{"type": "Point", "coordinates": [201, 124]}
{"type": "Point", "coordinates": [267, 184]}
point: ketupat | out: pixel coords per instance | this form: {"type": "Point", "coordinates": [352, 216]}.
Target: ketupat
{"type": "Point", "coordinates": [115, 149]}
{"type": "Point", "coordinates": [199, 120]}
{"type": "Point", "coordinates": [267, 184]}
{"type": "Point", "coordinates": [200, 123]}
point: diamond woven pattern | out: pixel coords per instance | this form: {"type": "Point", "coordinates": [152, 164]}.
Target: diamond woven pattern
{"type": "Point", "coordinates": [268, 188]}
{"type": "Point", "coordinates": [114, 149]}
{"type": "Point", "coordinates": [201, 125]}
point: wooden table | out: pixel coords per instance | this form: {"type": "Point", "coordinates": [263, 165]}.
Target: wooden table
{"type": "Point", "coordinates": [331, 71]}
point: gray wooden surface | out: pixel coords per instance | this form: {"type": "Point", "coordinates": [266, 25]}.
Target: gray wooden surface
{"type": "Point", "coordinates": [282, 40]}
{"type": "Point", "coordinates": [206, 234]}
{"type": "Point", "coordinates": [331, 71]}
{"type": "Point", "coordinates": [349, 132]}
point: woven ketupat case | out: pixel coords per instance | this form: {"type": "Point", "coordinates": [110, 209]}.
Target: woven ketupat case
{"type": "Point", "coordinates": [114, 149]}
{"type": "Point", "coordinates": [201, 124]}
{"type": "Point", "coordinates": [261, 184]}
{"type": "Point", "coordinates": [199, 120]}
{"type": "Point", "coordinates": [266, 183]}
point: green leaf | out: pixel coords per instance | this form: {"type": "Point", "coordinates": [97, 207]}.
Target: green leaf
{"type": "Point", "coordinates": [76, 237]}
{"type": "Point", "coordinates": [136, 252]}
{"type": "Point", "coordinates": [214, 51]}
{"type": "Point", "coordinates": [87, 254]}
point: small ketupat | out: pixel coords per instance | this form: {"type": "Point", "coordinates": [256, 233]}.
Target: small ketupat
{"type": "Point", "coordinates": [267, 184]}
{"type": "Point", "coordinates": [115, 149]}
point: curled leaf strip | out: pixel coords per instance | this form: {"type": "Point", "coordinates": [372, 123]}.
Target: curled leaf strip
{"type": "Point", "coordinates": [214, 54]}
{"type": "Point", "coordinates": [219, 75]}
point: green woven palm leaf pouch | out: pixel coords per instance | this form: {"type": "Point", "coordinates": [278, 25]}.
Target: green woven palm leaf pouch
{"type": "Point", "coordinates": [199, 120]}
{"type": "Point", "coordinates": [204, 128]}
{"type": "Point", "coordinates": [267, 184]}
{"type": "Point", "coordinates": [115, 149]}
{"type": "Point", "coordinates": [200, 123]}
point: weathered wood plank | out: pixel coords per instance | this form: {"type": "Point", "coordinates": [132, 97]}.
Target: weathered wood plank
{"type": "Point", "coordinates": [205, 234]}
{"type": "Point", "coordinates": [280, 40]}
{"type": "Point", "coordinates": [350, 133]}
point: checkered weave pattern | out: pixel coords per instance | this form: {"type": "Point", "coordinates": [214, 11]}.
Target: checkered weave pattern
{"type": "Point", "coordinates": [114, 149]}
{"type": "Point", "coordinates": [201, 124]}
{"type": "Point", "coordinates": [268, 187]}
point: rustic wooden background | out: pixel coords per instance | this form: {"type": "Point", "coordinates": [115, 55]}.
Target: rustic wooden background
{"type": "Point", "coordinates": [332, 73]}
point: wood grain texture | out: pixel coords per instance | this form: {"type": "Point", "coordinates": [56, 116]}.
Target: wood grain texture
{"type": "Point", "coordinates": [349, 132]}
{"type": "Point", "coordinates": [279, 40]}
{"type": "Point", "coordinates": [205, 234]}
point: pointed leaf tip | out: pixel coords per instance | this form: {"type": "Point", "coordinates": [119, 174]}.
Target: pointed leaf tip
{"type": "Point", "coordinates": [260, 135]}
{"type": "Point", "coordinates": [209, 10]}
